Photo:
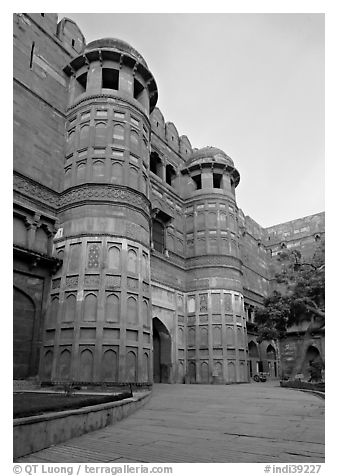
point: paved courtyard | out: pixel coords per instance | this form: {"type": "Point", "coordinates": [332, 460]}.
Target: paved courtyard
{"type": "Point", "coordinates": [256, 423]}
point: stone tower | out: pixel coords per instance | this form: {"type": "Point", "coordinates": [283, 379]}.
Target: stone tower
{"type": "Point", "coordinates": [98, 324]}
{"type": "Point", "coordinates": [216, 330]}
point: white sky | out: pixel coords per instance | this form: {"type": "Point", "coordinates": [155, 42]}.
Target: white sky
{"type": "Point", "coordinates": [250, 84]}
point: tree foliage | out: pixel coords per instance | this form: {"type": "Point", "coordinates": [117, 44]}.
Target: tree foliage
{"type": "Point", "coordinates": [299, 297]}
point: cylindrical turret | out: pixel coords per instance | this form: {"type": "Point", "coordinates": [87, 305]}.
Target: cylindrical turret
{"type": "Point", "coordinates": [216, 342]}
{"type": "Point", "coordinates": [98, 325]}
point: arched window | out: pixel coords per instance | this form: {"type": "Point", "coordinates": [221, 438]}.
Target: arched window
{"type": "Point", "coordinates": [192, 372]}
{"type": "Point", "coordinates": [84, 136]}
{"type": "Point", "coordinates": [112, 308]}
{"type": "Point", "coordinates": [144, 185]}
{"type": "Point", "coordinates": [109, 366]}
{"type": "Point", "coordinates": [47, 365]}
{"type": "Point", "coordinates": [118, 132]}
{"type": "Point", "coordinates": [270, 352]}
{"type": "Point", "coordinates": [100, 134]}
{"type": "Point", "coordinates": [132, 261]}
{"type": "Point", "coordinates": [170, 174]}
{"type": "Point", "coordinates": [98, 170]}
{"type": "Point", "coordinates": [86, 366]}
{"type": "Point", "coordinates": [131, 367]}
{"type": "Point", "coordinates": [132, 316]}
{"type": "Point", "coordinates": [70, 141]}
{"type": "Point", "coordinates": [204, 337]}
{"type": "Point", "coordinates": [180, 336]}
{"type": "Point", "coordinates": [145, 313]}
{"type": "Point", "coordinates": [191, 336]}
{"type": "Point", "coordinates": [64, 365]}
{"type": "Point", "coordinates": [145, 271]}
{"type": "Point", "coordinates": [53, 311]}
{"type": "Point", "coordinates": [114, 257]}
{"type": "Point", "coordinates": [253, 349]}
{"type": "Point", "coordinates": [217, 335]}
{"type": "Point", "coordinates": [211, 220]}
{"type": "Point", "coordinates": [231, 372]}
{"type": "Point", "coordinates": [133, 177]}
{"type": "Point", "coordinates": [116, 173]}
{"type": "Point", "coordinates": [158, 236]}
{"type": "Point", "coordinates": [230, 338]}
{"type": "Point", "coordinates": [145, 367]}
{"type": "Point", "coordinates": [156, 164]}
{"type": "Point", "coordinates": [204, 372]}
{"type": "Point", "coordinates": [81, 173]}
{"type": "Point", "coordinates": [134, 140]}
{"type": "Point", "coordinates": [70, 308]}
{"type": "Point", "coordinates": [90, 307]}
{"type": "Point", "coordinates": [68, 177]}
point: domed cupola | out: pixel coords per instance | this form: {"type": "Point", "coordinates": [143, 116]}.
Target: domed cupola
{"type": "Point", "coordinates": [211, 168]}
{"type": "Point", "coordinates": [112, 67]}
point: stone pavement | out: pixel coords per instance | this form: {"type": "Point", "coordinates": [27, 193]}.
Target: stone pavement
{"type": "Point", "coordinates": [247, 423]}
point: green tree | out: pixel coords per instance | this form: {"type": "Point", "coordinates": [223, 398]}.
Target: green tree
{"type": "Point", "coordinates": [299, 295]}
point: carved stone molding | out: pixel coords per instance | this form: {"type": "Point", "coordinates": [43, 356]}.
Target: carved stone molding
{"type": "Point", "coordinates": [35, 191]}
{"type": "Point", "coordinates": [216, 260]}
{"type": "Point", "coordinates": [103, 192]}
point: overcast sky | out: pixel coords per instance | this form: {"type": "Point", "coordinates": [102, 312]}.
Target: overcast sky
{"type": "Point", "coordinates": [250, 84]}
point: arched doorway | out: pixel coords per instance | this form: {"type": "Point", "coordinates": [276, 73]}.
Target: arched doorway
{"type": "Point", "coordinates": [313, 364]}
{"type": "Point", "coordinates": [253, 358]}
{"type": "Point", "coordinates": [23, 333]}
{"type": "Point", "coordinates": [272, 360]}
{"type": "Point", "coordinates": [162, 352]}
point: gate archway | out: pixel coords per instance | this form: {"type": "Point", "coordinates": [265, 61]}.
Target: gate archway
{"type": "Point", "coordinates": [253, 358]}
{"type": "Point", "coordinates": [162, 364]}
{"type": "Point", "coordinates": [312, 359]}
{"type": "Point", "coordinates": [23, 334]}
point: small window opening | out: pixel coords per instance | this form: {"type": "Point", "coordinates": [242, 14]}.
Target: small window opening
{"type": "Point", "coordinates": [82, 83]}
{"type": "Point", "coordinates": [138, 88]}
{"type": "Point", "coordinates": [317, 237]}
{"type": "Point", "coordinates": [32, 55]}
{"type": "Point", "coordinates": [217, 180]}
{"type": "Point", "coordinates": [198, 181]}
{"type": "Point", "coordinates": [158, 236]}
{"type": "Point", "coordinates": [110, 78]}
{"type": "Point", "coordinates": [73, 43]}
{"type": "Point", "coordinates": [155, 164]}
{"type": "Point", "coordinates": [42, 14]}
{"type": "Point", "coordinates": [169, 174]}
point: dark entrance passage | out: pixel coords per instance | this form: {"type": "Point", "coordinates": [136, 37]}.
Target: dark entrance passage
{"type": "Point", "coordinates": [162, 352]}
{"type": "Point", "coordinates": [313, 363]}
{"type": "Point", "coordinates": [23, 331]}
{"type": "Point", "coordinates": [253, 358]}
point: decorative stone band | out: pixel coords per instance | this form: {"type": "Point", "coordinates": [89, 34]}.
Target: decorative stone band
{"type": "Point", "coordinates": [213, 260]}
{"type": "Point", "coordinates": [252, 296]}
{"type": "Point", "coordinates": [80, 193]}
{"type": "Point", "coordinates": [35, 191]}
{"type": "Point", "coordinates": [103, 193]}
{"type": "Point", "coordinates": [114, 97]}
